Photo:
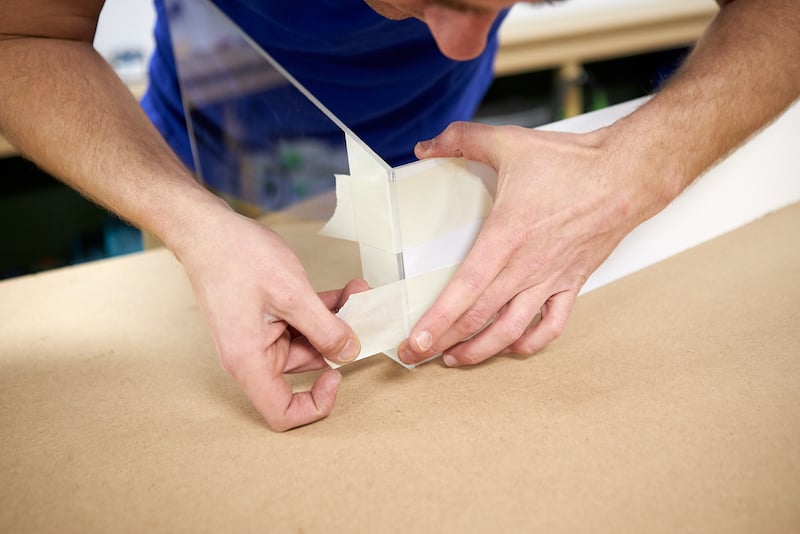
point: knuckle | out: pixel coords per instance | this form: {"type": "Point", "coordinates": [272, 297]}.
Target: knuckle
{"type": "Point", "coordinates": [455, 134]}
{"type": "Point", "coordinates": [456, 129]}
{"type": "Point", "coordinates": [471, 321]}
{"type": "Point", "coordinates": [470, 357]}
{"type": "Point", "coordinates": [542, 262]}
{"type": "Point", "coordinates": [526, 347]}
{"type": "Point", "coordinates": [440, 319]}
{"type": "Point", "coordinates": [473, 283]}
{"type": "Point", "coordinates": [516, 134]}
{"type": "Point", "coordinates": [517, 236]}
{"type": "Point", "coordinates": [278, 424]}
{"type": "Point", "coordinates": [286, 302]}
{"type": "Point", "coordinates": [439, 347]}
{"type": "Point", "coordinates": [331, 340]}
{"type": "Point", "coordinates": [228, 356]}
{"type": "Point", "coordinates": [553, 330]}
{"type": "Point", "coordinates": [513, 327]}
{"type": "Point", "coordinates": [548, 331]}
{"type": "Point", "coordinates": [229, 362]}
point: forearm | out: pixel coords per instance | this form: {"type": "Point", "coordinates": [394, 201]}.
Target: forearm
{"type": "Point", "coordinates": [64, 107]}
{"type": "Point", "coordinates": [743, 72]}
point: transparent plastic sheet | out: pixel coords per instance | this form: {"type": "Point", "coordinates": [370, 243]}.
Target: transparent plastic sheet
{"type": "Point", "coordinates": [257, 134]}
{"type": "Point", "coordinates": [266, 144]}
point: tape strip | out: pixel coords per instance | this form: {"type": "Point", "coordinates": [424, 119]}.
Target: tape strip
{"type": "Point", "coordinates": [382, 317]}
{"type": "Point", "coordinates": [414, 228]}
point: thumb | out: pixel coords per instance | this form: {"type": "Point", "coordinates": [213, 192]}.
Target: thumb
{"type": "Point", "coordinates": [469, 140]}
{"type": "Point", "coordinates": [331, 336]}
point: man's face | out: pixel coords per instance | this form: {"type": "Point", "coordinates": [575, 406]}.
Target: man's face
{"type": "Point", "coordinates": [460, 27]}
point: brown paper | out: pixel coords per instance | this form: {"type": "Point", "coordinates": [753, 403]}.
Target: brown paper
{"type": "Point", "coordinates": [670, 404]}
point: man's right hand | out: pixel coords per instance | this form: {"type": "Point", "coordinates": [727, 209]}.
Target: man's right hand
{"type": "Point", "coordinates": [64, 107]}
{"type": "Point", "coordinates": [252, 289]}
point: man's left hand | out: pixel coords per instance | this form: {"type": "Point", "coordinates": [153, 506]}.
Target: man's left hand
{"type": "Point", "coordinates": [563, 203]}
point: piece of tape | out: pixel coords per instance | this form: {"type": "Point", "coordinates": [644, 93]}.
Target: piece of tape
{"type": "Point", "coordinates": [414, 226]}
{"type": "Point", "coordinates": [382, 317]}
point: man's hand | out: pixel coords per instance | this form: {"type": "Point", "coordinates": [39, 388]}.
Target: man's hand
{"type": "Point", "coordinates": [563, 203]}
{"type": "Point", "coordinates": [265, 318]}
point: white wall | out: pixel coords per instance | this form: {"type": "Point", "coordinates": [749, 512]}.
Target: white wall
{"type": "Point", "coordinates": [125, 24]}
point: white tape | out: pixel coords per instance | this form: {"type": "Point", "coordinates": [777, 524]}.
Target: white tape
{"type": "Point", "coordinates": [382, 317]}
{"type": "Point", "coordinates": [413, 233]}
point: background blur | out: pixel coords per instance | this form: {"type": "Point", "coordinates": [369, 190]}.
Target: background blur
{"type": "Point", "coordinates": [44, 224]}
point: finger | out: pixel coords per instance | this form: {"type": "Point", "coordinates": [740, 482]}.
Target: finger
{"type": "Point", "coordinates": [336, 298]}
{"type": "Point", "coordinates": [470, 140]}
{"type": "Point", "coordinates": [303, 357]}
{"type": "Point", "coordinates": [511, 324]}
{"type": "Point", "coordinates": [284, 409]}
{"type": "Point", "coordinates": [307, 313]}
{"type": "Point", "coordinates": [476, 273]}
{"type": "Point", "coordinates": [554, 320]}
{"type": "Point", "coordinates": [485, 310]}
{"type": "Point", "coordinates": [261, 378]}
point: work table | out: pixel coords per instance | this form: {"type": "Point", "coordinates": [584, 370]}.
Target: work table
{"type": "Point", "coordinates": [668, 405]}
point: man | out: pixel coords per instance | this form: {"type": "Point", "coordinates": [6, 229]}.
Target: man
{"type": "Point", "coordinates": [563, 201]}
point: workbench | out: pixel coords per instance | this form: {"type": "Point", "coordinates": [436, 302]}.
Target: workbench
{"type": "Point", "coordinates": [670, 404]}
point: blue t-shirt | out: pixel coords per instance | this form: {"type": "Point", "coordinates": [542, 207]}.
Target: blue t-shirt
{"type": "Point", "coordinates": [384, 79]}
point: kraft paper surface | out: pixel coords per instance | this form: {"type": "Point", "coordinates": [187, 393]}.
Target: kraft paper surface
{"type": "Point", "coordinates": [670, 404]}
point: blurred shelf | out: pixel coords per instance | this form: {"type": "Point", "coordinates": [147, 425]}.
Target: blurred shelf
{"type": "Point", "coordinates": [543, 36]}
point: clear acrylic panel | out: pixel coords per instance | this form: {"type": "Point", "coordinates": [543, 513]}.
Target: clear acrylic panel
{"type": "Point", "coordinates": [258, 138]}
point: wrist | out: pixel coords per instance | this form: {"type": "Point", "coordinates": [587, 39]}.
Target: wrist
{"type": "Point", "coordinates": [192, 213]}
{"type": "Point", "coordinates": [659, 166]}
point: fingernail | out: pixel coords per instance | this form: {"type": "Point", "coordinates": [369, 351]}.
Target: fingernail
{"type": "Point", "coordinates": [425, 146]}
{"type": "Point", "coordinates": [450, 361]}
{"type": "Point", "coordinates": [423, 340]}
{"type": "Point", "coordinates": [348, 352]}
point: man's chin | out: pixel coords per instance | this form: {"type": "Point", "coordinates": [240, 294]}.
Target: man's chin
{"type": "Point", "coordinates": [387, 10]}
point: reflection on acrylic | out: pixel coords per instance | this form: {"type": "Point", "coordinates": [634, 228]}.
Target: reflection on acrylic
{"type": "Point", "coordinates": [255, 137]}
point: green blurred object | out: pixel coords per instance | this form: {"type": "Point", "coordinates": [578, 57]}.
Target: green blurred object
{"type": "Point", "coordinates": [44, 224]}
